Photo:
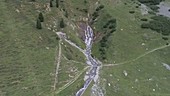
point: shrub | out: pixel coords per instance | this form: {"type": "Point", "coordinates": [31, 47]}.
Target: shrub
{"type": "Point", "coordinates": [165, 38]}
{"type": "Point", "coordinates": [41, 17]}
{"type": "Point", "coordinates": [159, 24]}
{"type": "Point", "coordinates": [144, 19]}
{"type": "Point", "coordinates": [144, 25]}
{"type": "Point", "coordinates": [85, 1]}
{"type": "Point", "coordinates": [85, 10]}
{"type": "Point", "coordinates": [132, 12]}
{"type": "Point", "coordinates": [111, 26]}
{"type": "Point", "coordinates": [51, 3]}
{"type": "Point", "coordinates": [62, 25]}
{"type": "Point", "coordinates": [105, 26]}
{"type": "Point", "coordinates": [113, 30]}
{"type": "Point", "coordinates": [38, 25]}
{"type": "Point", "coordinates": [101, 6]}
{"type": "Point", "coordinates": [112, 21]}
{"type": "Point", "coordinates": [57, 3]}
{"type": "Point", "coordinates": [154, 7]}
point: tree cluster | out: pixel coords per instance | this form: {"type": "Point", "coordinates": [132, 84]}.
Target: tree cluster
{"type": "Point", "coordinates": [105, 24]}
{"type": "Point", "coordinates": [111, 27]}
{"type": "Point", "coordinates": [159, 24]}
{"type": "Point", "coordinates": [151, 3]}
{"type": "Point", "coordinates": [96, 13]}
{"type": "Point", "coordinates": [41, 19]}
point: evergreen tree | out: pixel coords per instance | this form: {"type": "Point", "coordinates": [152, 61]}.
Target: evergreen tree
{"type": "Point", "coordinates": [57, 3]}
{"type": "Point", "coordinates": [85, 1]}
{"type": "Point", "coordinates": [62, 25]}
{"type": "Point", "coordinates": [41, 17]}
{"type": "Point", "coordinates": [51, 3]}
{"type": "Point", "coordinates": [38, 26]}
{"type": "Point", "coordinates": [66, 14]}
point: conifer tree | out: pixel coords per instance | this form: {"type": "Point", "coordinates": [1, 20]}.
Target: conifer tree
{"type": "Point", "coordinates": [38, 25]}
{"type": "Point", "coordinates": [51, 3]}
{"type": "Point", "coordinates": [57, 3]}
{"type": "Point", "coordinates": [62, 25]}
{"type": "Point", "coordinates": [41, 17]}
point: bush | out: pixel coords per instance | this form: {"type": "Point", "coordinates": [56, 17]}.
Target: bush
{"type": "Point", "coordinates": [151, 3]}
{"type": "Point", "coordinates": [62, 25]}
{"type": "Point", "coordinates": [144, 19]}
{"type": "Point", "coordinates": [112, 21]}
{"type": "Point", "coordinates": [41, 17]}
{"type": "Point", "coordinates": [151, 12]}
{"type": "Point", "coordinates": [105, 26]}
{"type": "Point", "coordinates": [154, 7]}
{"type": "Point", "coordinates": [132, 12]}
{"type": "Point", "coordinates": [51, 3]}
{"type": "Point", "coordinates": [165, 38]}
{"type": "Point", "coordinates": [144, 25]}
{"type": "Point", "coordinates": [85, 1]}
{"type": "Point", "coordinates": [57, 3]}
{"type": "Point", "coordinates": [38, 25]}
{"type": "Point", "coordinates": [159, 24]}
{"type": "Point", "coordinates": [85, 10]}
{"type": "Point", "coordinates": [95, 14]}
{"type": "Point", "coordinates": [113, 30]}
{"type": "Point", "coordinates": [111, 26]}
{"type": "Point", "coordinates": [101, 6]}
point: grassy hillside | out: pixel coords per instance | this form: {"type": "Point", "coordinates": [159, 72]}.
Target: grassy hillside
{"type": "Point", "coordinates": [145, 77]}
{"type": "Point", "coordinates": [27, 60]}
{"type": "Point", "coordinates": [29, 57]}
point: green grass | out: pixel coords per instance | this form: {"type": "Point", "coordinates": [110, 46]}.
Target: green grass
{"type": "Point", "coordinates": [144, 75]}
{"type": "Point", "coordinates": [73, 88]}
{"type": "Point", "coordinates": [27, 65]}
{"type": "Point", "coordinates": [125, 42]}
{"type": "Point", "coordinates": [67, 71]}
{"type": "Point", "coordinates": [126, 45]}
{"type": "Point", "coordinates": [72, 53]}
{"type": "Point", "coordinates": [25, 62]}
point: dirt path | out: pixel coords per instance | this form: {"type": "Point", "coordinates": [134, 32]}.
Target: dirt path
{"type": "Point", "coordinates": [140, 56]}
{"type": "Point", "coordinates": [58, 60]}
{"type": "Point", "coordinates": [71, 60]}
{"type": "Point", "coordinates": [72, 81]}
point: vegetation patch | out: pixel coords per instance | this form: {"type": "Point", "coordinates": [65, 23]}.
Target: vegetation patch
{"type": "Point", "coordinates": [151, 3]}
{"type": "Point", "coordinates": [104, 25]}
{"type": "Point", "coordinates": [159, 24]}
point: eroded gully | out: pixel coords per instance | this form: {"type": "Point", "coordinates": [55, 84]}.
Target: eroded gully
{"type": "Point", "coordinates": [95, 65]}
